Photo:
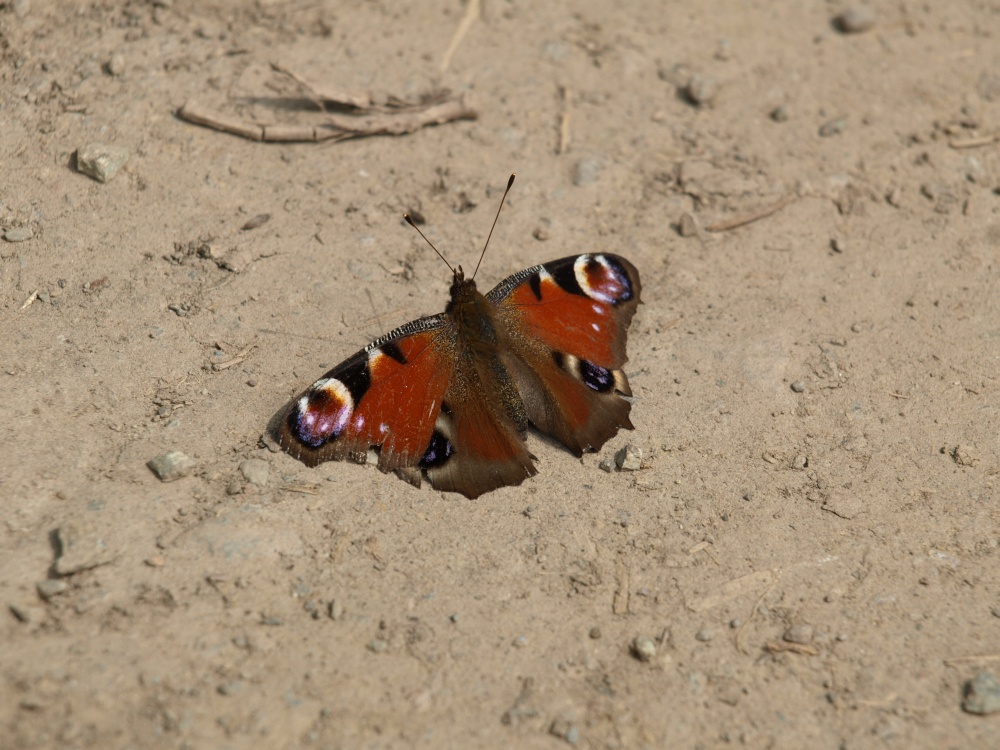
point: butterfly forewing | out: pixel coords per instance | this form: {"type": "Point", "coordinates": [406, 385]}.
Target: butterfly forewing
{"type": "Point", "coordinates": [388, 396]}
{"type": "Point", "coordinates": [568, 321]}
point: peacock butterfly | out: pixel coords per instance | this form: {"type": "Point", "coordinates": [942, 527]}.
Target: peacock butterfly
{"type": "Point", "coordinates": [450, 396]}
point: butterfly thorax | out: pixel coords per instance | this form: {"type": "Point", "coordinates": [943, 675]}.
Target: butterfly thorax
{"type": "Point", "coordinates": [474, 317]}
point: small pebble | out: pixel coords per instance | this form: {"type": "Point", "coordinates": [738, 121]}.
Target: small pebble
{"type": "Point", "coordinates": [51, 587]}
{"type": "Point", "coordinates": [995, 611]}
{"type": "Point", "coordinates": [607, 464]}
{"type": "Point", "coordinates": [779, 113]}
{"type": "Point", "coordinates": [701, 90]}
{"type": "Point", "coordinates": [629, 458]}
{"type": "Point", "coordinates": [335, 609]}
{"type": "Point", "coordinates": [101, 161]}
{"type": "Point", "coordinates": [230, 688]}
{"type": "Point", "coordinates": [378, 646]}
{"type": "Point", "coordinates": [705, 635]}
{"type": "Point", "coordinates": [255, 471]}
{"type": "Point", "coordinates": [982, 695]}
{"type": "Point", "coordinates": [798, 386]}
{"type": "Point", "coordinates": [832, 127]}
{"type": "Point", "coordinates": [116, 65]}
{"type": "Point", "coordinates": [838, 245]}
{"type": "Point", "coordinates": [735, 623]}
{"type": "Point", "coordinates": [81, 547]}
{"type": "Point", "coordinates": [565, 730]}
{"type": "Point", "coordinates": [964, 456]}
{"type": "Point", "coordinates": [520, 642]}
{"type": "Point", "coordinates": [18, 234]}
{"type": "Point", "coordinates": [27, 613]}
{"type": "Point", "coordinates": [644, 648]}
{"type": "Point", "coordinates": [586, 171]}
{"type": "Point", "coordinates": [687, 226]}
{"type": "Point", "coordinates": [595, 633]}
{"type": "Point", "coordinates": [800, 462]}
{"type": "Point", "coordinates": [856, 19]}
{"type": "Point", "coordinates": [171, 466]}
{"type": "Point", "coordinates": [802, 634]}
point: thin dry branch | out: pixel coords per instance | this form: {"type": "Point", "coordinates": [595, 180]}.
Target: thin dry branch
{"type": "Point", "coordinates": [984, 140]}
{"type": "Point", "coordinates": [471, 14]}
{"type": "Point", "coordinates": [564, 132]}
{"type": "Point", "coordinates": [761, 213]}
{"type": "Point", "coordinates": [336, 127]}
{"type": "Point", "coordinates": [365, 102]}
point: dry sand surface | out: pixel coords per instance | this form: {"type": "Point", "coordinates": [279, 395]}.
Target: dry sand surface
{"type": "Point", "coordinates": [808, 555]}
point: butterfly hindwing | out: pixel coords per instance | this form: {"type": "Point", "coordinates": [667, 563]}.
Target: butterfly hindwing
{"type": "Point", "coordinates": [566, 322]}
{"type": "Point", "coordinates": [480, 433]}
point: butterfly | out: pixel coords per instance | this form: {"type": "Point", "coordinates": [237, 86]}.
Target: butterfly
{"type": "Point", "coordinates": [449, 397]}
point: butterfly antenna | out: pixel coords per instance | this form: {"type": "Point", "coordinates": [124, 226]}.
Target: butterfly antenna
{"type": "Point", "coordinates": [413, 224]}
{"type": "Point", "coordinates": [509, 183]}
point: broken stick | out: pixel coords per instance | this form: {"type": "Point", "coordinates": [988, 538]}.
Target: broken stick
{"type": "Point", "coordinates": [761, 213]}
{"type": "Point", "coordinates": [336, 127]}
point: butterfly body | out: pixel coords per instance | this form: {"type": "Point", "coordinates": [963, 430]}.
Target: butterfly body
{"type": "Point", "coordinates": [451, 396]}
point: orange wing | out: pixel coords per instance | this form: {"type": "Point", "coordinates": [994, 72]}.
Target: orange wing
{"type": "Point", "coordinates": [566, 323]}
{"type": "Point", "coordinates": [386, 396]}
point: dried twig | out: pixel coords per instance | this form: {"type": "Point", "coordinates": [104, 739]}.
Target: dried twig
{"type": "Point", "coordinates": [761, 213]}
{"type": "Point", "coordinates": [365, 102]}
{"type": "Point", "coordinates": [31, 298]}
{"type": "Point", "coordinates": [777, 647]}
{"type": "Point", "coordinates": [471, 14]}
{"type": "Point", "coordinates": [337, 127]}
{"type": "Point", "coordinates": [320, 95]}
{"type": "Point", "coordinates": [240, 357]}
{"type": "Point", "coordinates": [955, 661]}
{"type": "Point", "coordinates": [564, 135]}
{"type": "Point", "coordinates": [303, 489]}
{"type": "Point", "coordinates": [756, 604]}
{"type": "Point", "coordinates": [983, 140]}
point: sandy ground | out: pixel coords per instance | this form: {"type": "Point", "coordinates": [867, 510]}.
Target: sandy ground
{"type": "Point", "coordinates": [811, 547]}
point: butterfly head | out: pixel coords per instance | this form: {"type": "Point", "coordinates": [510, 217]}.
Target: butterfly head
{"type": "Point", "coordinates": [462, 290]}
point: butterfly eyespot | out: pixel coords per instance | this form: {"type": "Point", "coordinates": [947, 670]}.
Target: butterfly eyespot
{"type": "Point", "coordinates": [322, 414]}
{"type": "Point", "coordinates": [438, 451]}
{"type": "Point", "coordinates": [603, 278]}
{"type": "Point", "coordinates": [596, 377]}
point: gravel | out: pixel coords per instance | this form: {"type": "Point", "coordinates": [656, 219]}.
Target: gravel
{"type": "Point", "coordinates": [18, 234]}
{"type": "Point", "coordinates": [982, 695]}
{"type": "Point", "coordinates": [255, 471]}
{"type": "Point", "coordinates": [171, 466]}
{"type": "Point", "coordinates": [81, 547]}
{"type": "Point", "coordinates": [51, 587]}
{"type": "Point", "coordinates": [687, 226]}
{"type": "Point", "coordinates": [644, 648]}
{"type": "Point", "coordinates": [702, 90]}
{"type": "Point", "coordinates": [101, 161]}
{"type": "Point", "coordinates": [629, 458]}
{"type": "Point", "coordinates": [802, 634]}
{"type": "Point", "coordinates": [832, 127]}
{"type": "Point", "coordinates": [586, 171]}
{"type": "Point", "coordinates": [855, 19]}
